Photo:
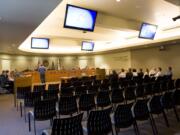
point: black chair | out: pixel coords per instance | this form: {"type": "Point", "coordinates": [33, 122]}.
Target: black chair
{"type": "Point", "coordinates": [79, 90]}
{"type": "Point", "coordinates": [148, 89]}
{"type": "Point", "coordinates": [87, 83]}
{"type": "Point", "coordinates": [67, 105]}
{"type": "Point", "coordinates": [65, 85]}
{"type": "Point", "coordinates": [103, 99]}
{"type": "Point", "coordinates": [93, 89]}
{"type": "Point", "coordinates": [123, 118]}
{"type": "Point", "coordinates": [156, 88]}
{"type": "Point", "coordinates": [114, 85]}
{"type": "Point", "coordinates": [177, 84]}
{"type": "Point", "coordinates": [20, 95]}
{"type": "Point", "coordinates": [163, 85]}
{"type": "Point", "coordinates": [140, 112]}
{"type": "Point", "coordinates": [104, 87]}
{"type": "Point", "coordinates": [30, 99]}
{"type": "Point", "coordinates": [39, 88]}
{"type": "Point", "coordinates": [170, 85]}
{"type": "Point", "coordinates": [52, 87]}
{"type": "Point", "coordinates": [97, 82]}
{"type": "Point", "coordinates": [130, 94]}
{"type": "Point", "coordinates": [67, 126]}
{"type": "Point", "coordinates": [50, 94]}
{"type": "Point", "coordinates": [86, 102]}
{"type": "Point", "coordinates": [117, 96]}
{"type": "Point", "coordinates": [155, 107]}
{"type": "Point", "coordinates": [77, 83]}
{"type": "Point", "coordinates": [43, 110]}
{"type": "Point", "coordinates": [67, 91]}
{"type": "Point", "coordinates": [139, 90]}
{"type": "Point", "coordinates": [168, 103]}
{"type": "Point", "coordinates": [99, 123]}
{"type": "Point", "coordinates": [176, 97]}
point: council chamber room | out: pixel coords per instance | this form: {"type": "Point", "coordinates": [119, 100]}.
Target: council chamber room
{"type": "Point", "coordinates": [90, 67]}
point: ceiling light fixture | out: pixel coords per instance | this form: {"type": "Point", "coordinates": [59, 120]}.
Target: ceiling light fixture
{"type": "Point", "coordinates": [118, 0]}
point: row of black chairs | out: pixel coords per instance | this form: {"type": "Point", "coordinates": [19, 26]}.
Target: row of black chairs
{"type": "Point", "coordinates": [155, 105]}
{"type": "Point", "coordinates": [99, 122]}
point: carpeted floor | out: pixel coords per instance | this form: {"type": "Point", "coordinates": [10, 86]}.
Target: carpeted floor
{"type": "Point", "coordinates": [12, 124]}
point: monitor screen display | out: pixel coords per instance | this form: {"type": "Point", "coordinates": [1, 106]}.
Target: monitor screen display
{"type": "Point", "coordinates": [80, 18]}
{"type": "Point", "coordinates": [87, 46]}
{"type": "Point", "coordinates": [39, 43]}
{"type": "Point", "coordinates": [148, 31]}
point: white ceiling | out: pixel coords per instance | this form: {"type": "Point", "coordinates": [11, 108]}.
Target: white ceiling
{"type": "Point", "coordinates": [117, 24]}
{"type": "Point", "coordinates": [18, 18]}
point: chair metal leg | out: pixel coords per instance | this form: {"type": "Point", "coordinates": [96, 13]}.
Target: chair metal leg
{"type": "Point", "coordinates": [175, 111]}
{"type": "Point", "coordinates": [153, 126]}
{"type": "Point", "coordinates": [17, 105]}
{"type": "Point", "coordinates": [165, 118]}
{"type": "Point", "coordinates": [137, 129]}
{"type": "Point", "coordinates": [29, 119]}
{"type": "Point", "coordinates": [116, 130]}
{"type": "Point", "coordinates": [34, 127]}
{"type": "Point", "coordinates": [21, 108]}
{"type": "Point", "coordinates": [25, 113]}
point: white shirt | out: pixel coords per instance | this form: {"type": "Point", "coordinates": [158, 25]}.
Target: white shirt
{"type": "Point", "coordinates": [122, 75]}
{"type": "Point", "coordinates": [158, 74]}
{"type": "Point", "coordinates": [135, 74]}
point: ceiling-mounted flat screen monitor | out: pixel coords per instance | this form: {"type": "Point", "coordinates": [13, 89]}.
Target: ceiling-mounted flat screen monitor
{"type": "Point", "coordinates": [148, 31]}
{"type": "Point", "coordinates": [39, 43]}
{"type": "Point", "coordinates": [80, 18]}
{"type": "Point", "coordinates": [87, 46]}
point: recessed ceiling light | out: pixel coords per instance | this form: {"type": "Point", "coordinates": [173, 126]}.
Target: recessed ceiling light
{"type": "Point", "coordinates": [118, 0]}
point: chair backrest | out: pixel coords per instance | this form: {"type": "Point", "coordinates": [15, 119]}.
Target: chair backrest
{"type": "Point", "coordinates": [103, 99]}
{"type": "Point", "coordinates": [154, 105]}
{"type": "Point", "coordinates": [148, 88]}
{"type": "Point", "coordinates": [114, 85]}
{"type": "Point", "coordinates": [79, 90]}
{"type": "Point", "coordinates": [86, 102]}
{"type": "Point", "coordinates": [139, 90]}
{"type": "Point", "coordinates": [117, 96]}
{"type": "Point", "coordinates": [39, 88]}
{"type": "Point", "coordinates": [31, 98]}
{"type": "Point", "coordinates": [45, 110]}
{"type": "Point", "coordinates": [99, 123]}
{"type": "Point", "coordinates": [65, 85]}
{"type": "Point", "coordinates": [50, 94]}
{"type": "Point", "coordinates": [53, 87]}
{"type": "Point", "coordinates": [104, 86]}
{"type": "Point", "coordinates": [123, 116]}
{"type": "Point", "coordinates": [166, 100]}
{"type": "Point", "coordinates": [67, 105]}
{"type": "Point", "coordinates": [176, 97]}
{"type": "Point", "coordinates": [67, 91]}
{"type": "Point", "coordinates": [130, 93]}
{"type": "Point", "coordinates": [96, 82]}
{"type": "Point", "coordinates": [68, 126]}
{"type": "Point", "coordinates": [77, 83]}
{"type": "Point", "coordinates": [177, 83]}
{"type": "Point", "coordinates": [93, 89]}
{"type": "Point", "coordinates": [156, 87]}
{"type": "Point", "coordinates": [21, 91]}
{"type": "Point", "coordinates": [163, 85]}
{"type": "Point", "coordinates": [140, 110]}
{"type": "Point", "coordinates": [170, 85]}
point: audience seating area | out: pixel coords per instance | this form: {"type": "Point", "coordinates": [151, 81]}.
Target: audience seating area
{"type": "Point", "coordinates": [109, 104]}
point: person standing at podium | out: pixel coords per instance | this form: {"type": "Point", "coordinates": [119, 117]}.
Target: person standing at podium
{"type": "Point", "coordinates": [42, 70]}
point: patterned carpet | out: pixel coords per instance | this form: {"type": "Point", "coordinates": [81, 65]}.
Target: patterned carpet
{"type": "Point", "coordinates": [12, 124]}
